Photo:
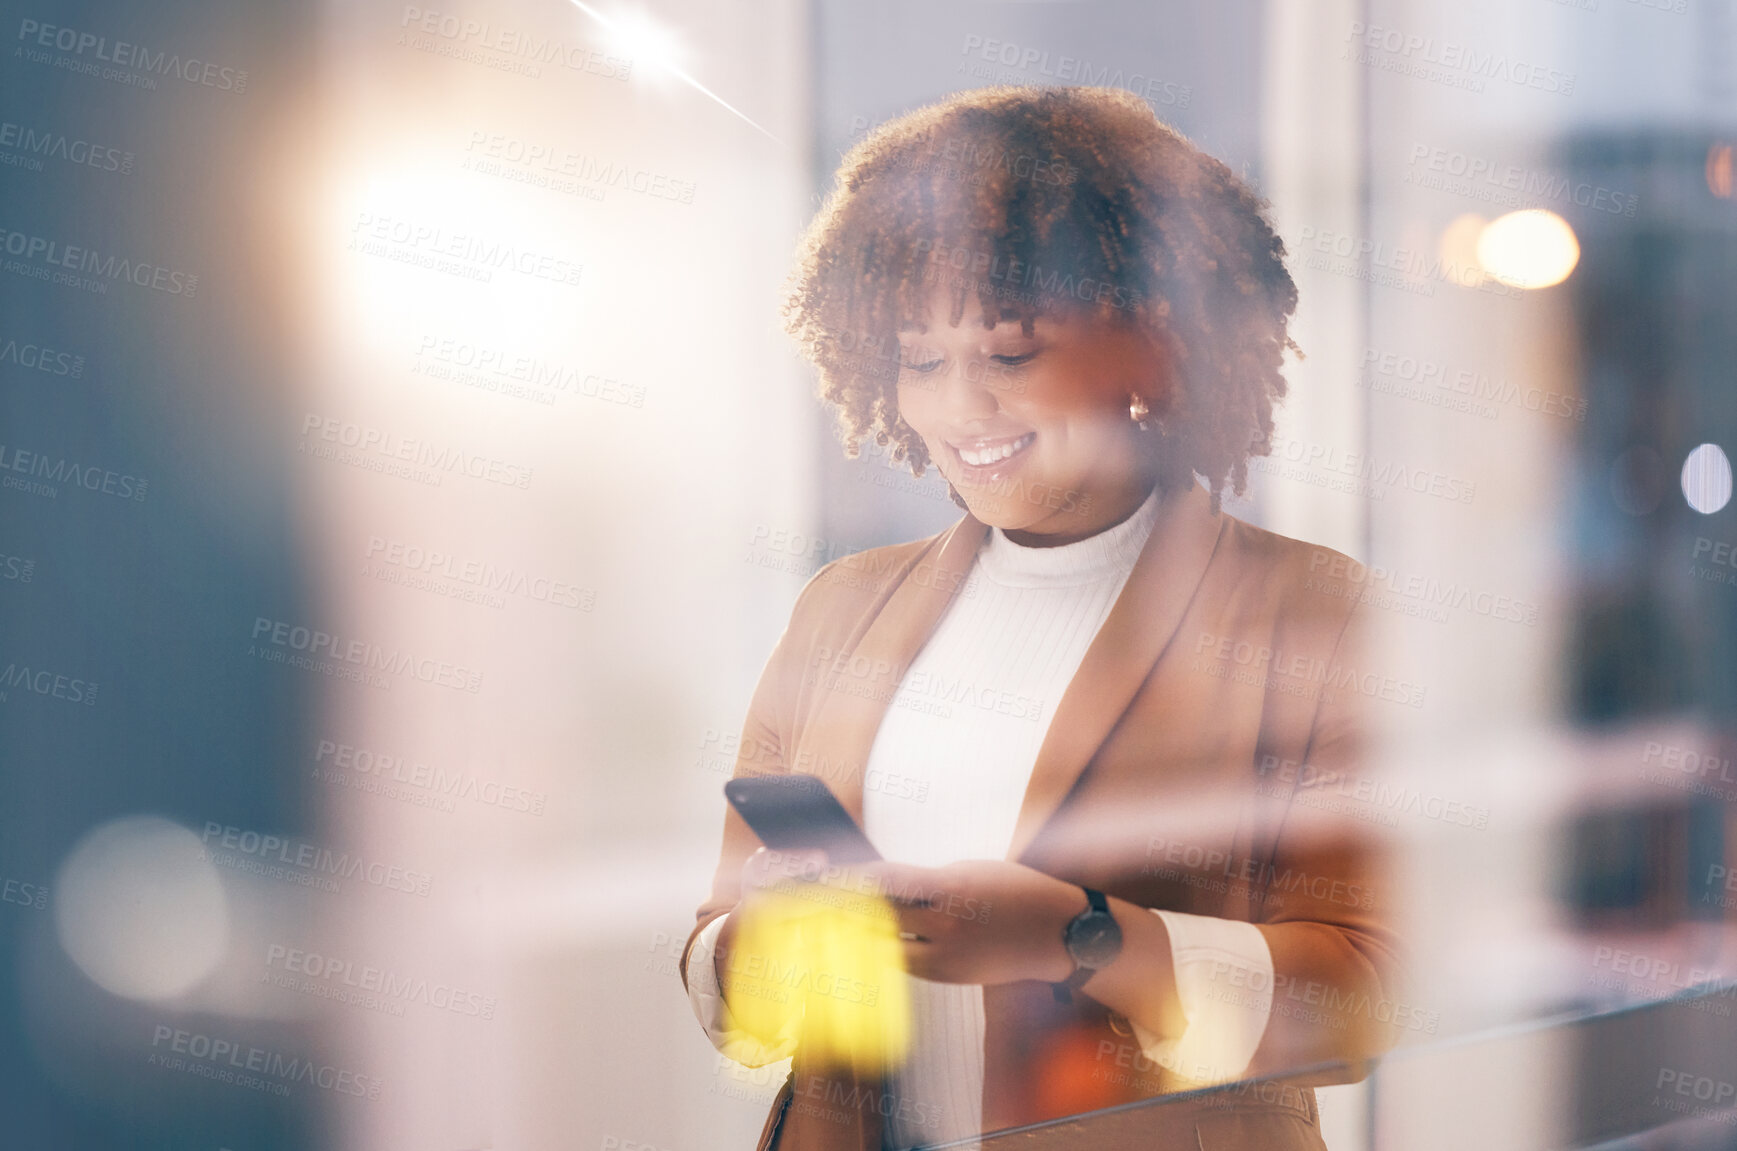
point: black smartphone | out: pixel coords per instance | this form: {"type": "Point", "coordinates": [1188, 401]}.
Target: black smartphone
{"type": "Point", "coordinates": [799, 813]}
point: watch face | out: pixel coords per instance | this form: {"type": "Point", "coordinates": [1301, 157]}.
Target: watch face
{"type": "Point", "coordinates": [1094, 939]}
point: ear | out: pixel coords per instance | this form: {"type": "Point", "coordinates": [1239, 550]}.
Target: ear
{"type": "Point", "coordinates": [1155, 379]}
{"type": "Point", "coordinates": [1166, 398]}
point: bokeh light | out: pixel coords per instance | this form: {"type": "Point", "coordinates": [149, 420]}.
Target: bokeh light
{"type": "Point", "coordinates": [1706, 479]}
{"type": "Point", "coordinates": [1534, 248]}
{"type": "Point", "coordinates": [140, 909]}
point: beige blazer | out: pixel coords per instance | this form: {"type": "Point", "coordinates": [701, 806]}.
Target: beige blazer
{"type": "Point", "coordinates": [1204, 759]}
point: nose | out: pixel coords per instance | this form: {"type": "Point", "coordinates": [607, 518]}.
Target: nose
{"type": "Point", "coordinates": [963, 392]}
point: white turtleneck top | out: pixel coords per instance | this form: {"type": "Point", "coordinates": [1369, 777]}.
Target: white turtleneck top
{"type": "Point", "coordinates": [962, 736]}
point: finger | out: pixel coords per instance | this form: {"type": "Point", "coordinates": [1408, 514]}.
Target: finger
{"type": "Point", "coordinates": [924, 960]}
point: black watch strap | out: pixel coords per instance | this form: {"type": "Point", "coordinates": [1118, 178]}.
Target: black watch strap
{"type": "Point", "coordinates": [1096, 903]}
{"type": "Point", "coordinates": [1064, 991]}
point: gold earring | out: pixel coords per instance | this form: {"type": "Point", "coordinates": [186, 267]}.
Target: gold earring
{"type": "Point", "coordinates": [1138, 411]}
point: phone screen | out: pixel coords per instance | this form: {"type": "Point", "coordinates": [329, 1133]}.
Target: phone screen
{"type": "Point", "coordinates": [799, 813]}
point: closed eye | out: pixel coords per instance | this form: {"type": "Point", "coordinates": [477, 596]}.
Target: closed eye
{"type": "Point", "coordinates": [925, 367]}
{"type": "Point", "coordinates": [1015, 361]}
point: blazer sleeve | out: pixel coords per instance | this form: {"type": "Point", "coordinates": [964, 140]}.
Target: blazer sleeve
{"type": "Point", "coordinates": [766, 731]}
{"type": "Point", "coordinates": [1328, 904]}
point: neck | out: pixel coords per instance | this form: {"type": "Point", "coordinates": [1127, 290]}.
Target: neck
{"type": "Point", "coordinates": [1110, 512]}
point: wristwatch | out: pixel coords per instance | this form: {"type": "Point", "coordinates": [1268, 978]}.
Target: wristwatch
{"type": "Point", "coordinates": [1094, 939]}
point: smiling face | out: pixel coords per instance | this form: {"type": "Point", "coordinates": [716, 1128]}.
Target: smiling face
{"type": "Point", "coordinates": [1033, 431]}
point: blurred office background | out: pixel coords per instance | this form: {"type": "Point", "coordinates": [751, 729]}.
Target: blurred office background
{"type": "Point", "coordinates": [406, 477]}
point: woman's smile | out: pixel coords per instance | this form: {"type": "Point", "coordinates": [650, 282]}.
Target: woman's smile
{"type": "Point", "coordinates": [981, 460]}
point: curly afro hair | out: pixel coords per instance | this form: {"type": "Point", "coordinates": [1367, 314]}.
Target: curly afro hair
{"type": "Point", "coordinates": [1045, 202]}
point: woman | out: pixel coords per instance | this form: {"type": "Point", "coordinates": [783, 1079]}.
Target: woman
{"type": "Point", "coordinates": [1099, 695]}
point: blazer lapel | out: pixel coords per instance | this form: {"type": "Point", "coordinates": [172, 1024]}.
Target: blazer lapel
{"type": "Point", "coordinates": [855, 691]}
{"type": "Point", "coordinates": [1136, 632]}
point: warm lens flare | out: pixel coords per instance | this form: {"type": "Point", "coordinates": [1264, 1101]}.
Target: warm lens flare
{"type": "Point", "coordinates": [827, 966]}
{"type": "Point", "coordinates": [1533, 248]}
{"type": "Point", "coordinates": [1719, 166]}
{"type": "Point", "coordinates": [1459, 248]}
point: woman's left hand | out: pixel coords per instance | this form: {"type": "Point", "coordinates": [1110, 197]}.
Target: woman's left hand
{"type": "Point", "coordinates": [981, 920]}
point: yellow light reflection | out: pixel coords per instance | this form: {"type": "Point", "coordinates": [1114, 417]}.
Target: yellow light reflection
{"type": "Point", "coordinates": [828, 970]}
{"type": "Point", "coordinates": [1533, 248]}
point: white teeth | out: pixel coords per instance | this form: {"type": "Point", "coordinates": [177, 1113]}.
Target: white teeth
{"type": "Point", "coordinates": [982, 457]}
